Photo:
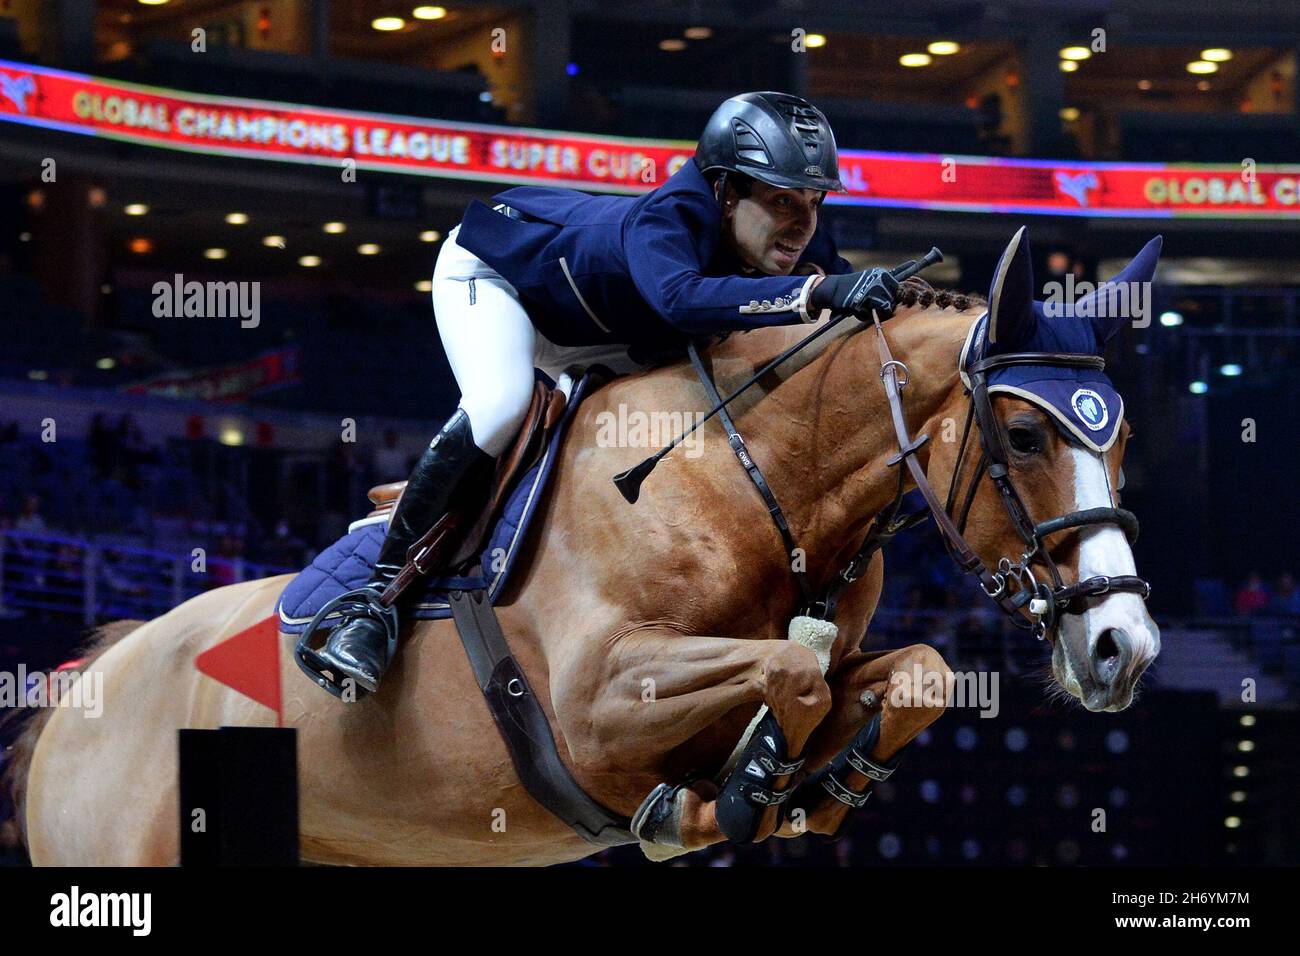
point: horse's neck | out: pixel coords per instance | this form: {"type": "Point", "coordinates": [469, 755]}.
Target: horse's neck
{"type": "Point", "coordinates": [822, 431]}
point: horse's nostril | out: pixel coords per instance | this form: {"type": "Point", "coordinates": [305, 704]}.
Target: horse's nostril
{"type": "Point", "coordinates": [1110, 655]}
{"type": "Point", "coordinates": [1107, 647]}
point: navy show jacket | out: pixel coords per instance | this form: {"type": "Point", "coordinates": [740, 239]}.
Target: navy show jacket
{"type": "Point", "coordinates": [646, 270]}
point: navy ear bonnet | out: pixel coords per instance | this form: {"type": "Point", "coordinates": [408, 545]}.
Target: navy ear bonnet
{"type": "Point", "coordinates": [1083, 402]}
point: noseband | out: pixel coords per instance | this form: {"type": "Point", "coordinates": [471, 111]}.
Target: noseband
{"type": "Point", "coordinates": [1045, 601]}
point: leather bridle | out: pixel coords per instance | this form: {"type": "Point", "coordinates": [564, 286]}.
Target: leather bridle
{"type": "Point", "coordinates": [1045, 601]}
{"type": "Point", "coordinates": [1032, 605]}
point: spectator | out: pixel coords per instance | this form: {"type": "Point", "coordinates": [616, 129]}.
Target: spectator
{"type": "Point", "coordinates": [134, 451]}
{"type": "Point", "coordinates": [1287, 598]}
{"type": "Point", "coordinates": [103, 446]}
{"type": "Point", "coordinates": [1253, 596]}
{"type": "Point", "coordinates": [29, 519]}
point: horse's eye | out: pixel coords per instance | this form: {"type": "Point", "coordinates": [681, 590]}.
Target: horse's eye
{"type": "Point", "coordinates": [1025, 440]}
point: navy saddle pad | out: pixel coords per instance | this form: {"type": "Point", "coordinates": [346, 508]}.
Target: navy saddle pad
{"type": "Point", "coordinates": [346, 564]}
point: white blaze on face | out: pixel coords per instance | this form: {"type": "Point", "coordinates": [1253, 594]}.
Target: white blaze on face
{"type": "Point", "coordinates": [1103, 549]}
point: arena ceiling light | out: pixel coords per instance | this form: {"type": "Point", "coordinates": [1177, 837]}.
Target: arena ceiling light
{"type": "Point", "coordinates": [1216, 55]}
{"type": "Point", "coordinates": [334, 228]}
{"type": "Point", "coordinates": [1144, 84]}
{"type": "Point", "coordinates": [943, 48]}
{"type": "Point", "coordinates": [214, 253]}
{"type": "Point", "coordinates": [424, 285]}
{"type": "Point", "coordinates": [368, 249]}
{"type": "Point", "coordinates": [1069, 66]}
{"type": "Point", "coordinates": [387, 24]}
{"type": "Point", "coordinates": [1075, 53]}
{"type": "Point", "coordinates": [1171, 319]}
{"type": "Point", "coordinates": [141, 245]}
{"type": "Point", "coordinates": [916, 59]}
{"type": "Point", "coordinates": [430, 235]}
{"type": "Point", "coordinates": [154, 3]}
{"type": "Point", "coordinates": [814, 40]}
{"type": "Point", "coordinates": [135, 209]}
{"type": "Point", "coordinates": [1202, 66]}
{"type": "Point", "coordinates": [672, 45]}
{"type": "Point", "coordinates": [237, 218]}
{"type": "Point", "coordinates": [697, 33]}
{"type": "Point", "coordinates": [105, 363]}
{"type": "Point", "coordinates": [1069, 113]}
{"type": "Point", "coordinates": [429, 13]}
{"type": "Point", "coordinates": [1230, 370]}
{"type": "Point", "coordinates": [273, 242]}
{"type": "Point", "coordinates": [1198, 387]}
{"type": "Point", "coordinates": [309, 262]}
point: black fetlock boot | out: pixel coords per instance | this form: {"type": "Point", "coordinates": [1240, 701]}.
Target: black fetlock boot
{"type": "Point", "coordinates": [751, 788]}
{"type": "Point", "coordinates": [361, 646]}
{"type": "Point", "coordinates": [830, 780]}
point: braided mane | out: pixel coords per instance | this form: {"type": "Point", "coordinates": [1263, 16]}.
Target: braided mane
{"type": "Point", "coordinates": [917, 292]}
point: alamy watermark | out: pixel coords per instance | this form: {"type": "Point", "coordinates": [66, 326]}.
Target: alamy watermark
{"type": "Point", "coordinates": [209, 300]}
{"type": "Point", "coordinates": [637, 429]}
{"type": "Point", "coordinates": [1082, 299]}
{"type": "Point", "coordinates": [23, 688]}
{"type": "Point", "coordinates": [920, 687]}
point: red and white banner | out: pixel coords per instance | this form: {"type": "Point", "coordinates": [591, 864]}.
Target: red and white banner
{"type": "Point", "coordinates": [227, 383]}
{"type": "Point", "coordinates": [256, 129]}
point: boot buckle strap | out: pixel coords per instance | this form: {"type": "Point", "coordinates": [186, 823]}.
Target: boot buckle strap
{"type": "Point", "coordinates": [843, 794]}
{"type": "Point", "coordinates": [762, 796]}
{"type": "Point", "coordinates": [866, 766]}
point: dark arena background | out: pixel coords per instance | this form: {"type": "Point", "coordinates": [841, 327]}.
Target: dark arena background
{"type": "Point", "coordinates": [142, 142]}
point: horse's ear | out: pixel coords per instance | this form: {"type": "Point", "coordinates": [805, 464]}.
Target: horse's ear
{"type": "Point", "coordinates": [1011, 297]}
{"type": "Point", "coordinates": [1141, 269]}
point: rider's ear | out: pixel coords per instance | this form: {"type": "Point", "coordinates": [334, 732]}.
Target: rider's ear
{"type": "Point", "coordinates": [1011, 297]}
{"type": "Point", "coordinates": [1107, 321]}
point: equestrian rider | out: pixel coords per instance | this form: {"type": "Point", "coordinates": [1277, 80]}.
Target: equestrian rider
{"type": "Point", "coordinates": [548, 277]}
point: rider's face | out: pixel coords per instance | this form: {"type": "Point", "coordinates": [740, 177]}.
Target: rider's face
{"type": "Point", "coordinates": [769, 228]}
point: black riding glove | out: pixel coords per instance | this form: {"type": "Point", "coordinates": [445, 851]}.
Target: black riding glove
{"type": "Point", "coordinates": [857, 293]}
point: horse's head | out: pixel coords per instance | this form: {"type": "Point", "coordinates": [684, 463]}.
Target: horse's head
{"type": "Point", "coordinates": [1037, 489]}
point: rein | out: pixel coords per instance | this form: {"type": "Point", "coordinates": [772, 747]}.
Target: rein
{"type": "Point", "coordinates": [1046, 602]}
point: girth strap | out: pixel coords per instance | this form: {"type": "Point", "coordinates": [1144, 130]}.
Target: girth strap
{"type": "Point", "coordinates": [524, 727]}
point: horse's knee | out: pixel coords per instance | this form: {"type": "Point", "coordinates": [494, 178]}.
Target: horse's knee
{"type": "Point", "coordinates": [793, 681]}
{"type": "Point", "coordinates": [920, 682]}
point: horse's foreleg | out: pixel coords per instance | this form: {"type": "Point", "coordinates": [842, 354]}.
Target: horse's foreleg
{"type": "Point", "coordinates": [876, 684]}
{"type": "Point", "coordinates": [663, 692]}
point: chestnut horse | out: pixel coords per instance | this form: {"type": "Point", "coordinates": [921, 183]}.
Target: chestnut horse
{"type": "Point", "coordinates": [652, 633]}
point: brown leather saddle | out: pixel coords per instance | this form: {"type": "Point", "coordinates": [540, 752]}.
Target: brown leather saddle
{"type": "Point", "coordinates": [434, 551]}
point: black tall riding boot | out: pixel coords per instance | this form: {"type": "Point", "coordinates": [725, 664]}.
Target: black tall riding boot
{"type": "Point", "coordinates": [358, 647]}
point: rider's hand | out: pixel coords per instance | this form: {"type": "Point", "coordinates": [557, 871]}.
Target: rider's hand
{"type": "Point", "coordinates": [858, 293]}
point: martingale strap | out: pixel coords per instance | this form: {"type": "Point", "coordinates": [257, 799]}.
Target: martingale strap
{"type": "Point", "coordinates": [883, 528]}
{"type": "Point", "coordinates": [751, 468]}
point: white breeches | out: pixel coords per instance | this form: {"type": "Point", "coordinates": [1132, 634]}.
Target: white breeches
{"type": "Point", "coordinates": [492, 345]}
